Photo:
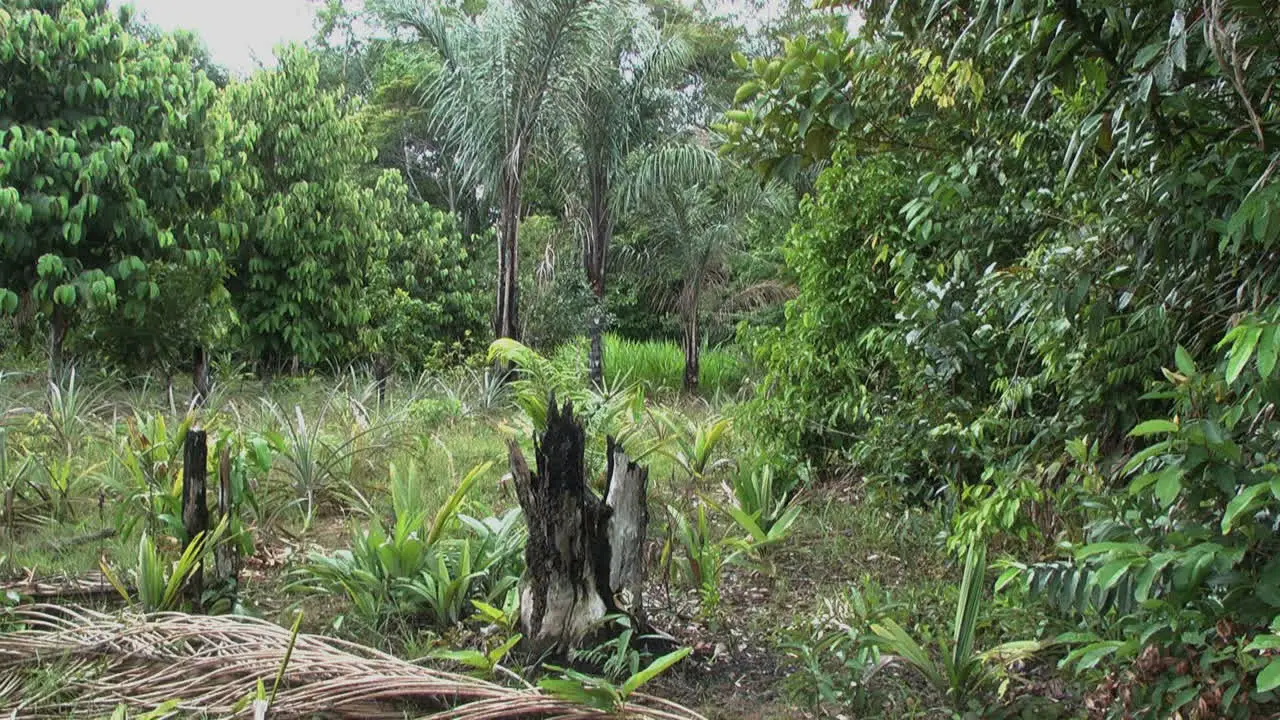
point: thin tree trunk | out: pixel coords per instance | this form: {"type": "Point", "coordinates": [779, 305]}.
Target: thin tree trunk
{"type": "Point", "coordinates": [595, 360]}
{"type": "Point", "coordinates": [195, 506]}
{"type": "Point", "coordinates": [57, 334]}
{"type": "Point", "coordinates": [226, 558]}
{"type": "Point", "coordinates": [200, 375]}
{"type": "Point", "coordinates": [382, 376]}
{"type": "Point", "coordinates": [594, 256]}
{"type": "Point", "coordinates": [506, 323]}
{"type": "Point", "coordinates": [690, 345]}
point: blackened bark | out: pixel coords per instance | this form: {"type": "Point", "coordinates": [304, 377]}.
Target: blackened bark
{"type": "Point", "coordinates": [574, 568]}
{"type": "Point", "coordinates": [195, 508]}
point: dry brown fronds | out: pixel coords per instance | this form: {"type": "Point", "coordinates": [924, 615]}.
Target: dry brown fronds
{"type": "Point", "coordinates": [44, 588]}
{"type": "Point", "coordinates": [212, 665]}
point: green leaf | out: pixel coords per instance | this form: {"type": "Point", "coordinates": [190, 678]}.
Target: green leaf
{"type": "Point", "coordinates": [656, 668]}
{"type": "Point", "coordinates": [1168, 487]}
{"type": "Point", "coordinates": [1241, 351]}
{"type": "Point", "coordinates": [1146, 55]}
{"type": "Point", "coordinates": [1264, 642]}
{"type": "Point", "coordinates": [1183, 360]}
{"type": "Point", "coordinates": [1091, 655]}
{"type": "Point", "coordinates": [1144, 455]}
{"type": "Point", "coordinates": [1008, 576]}
{"type": "Point", "coordinates": [1268, 348]}
{"type": "Point", "coordinates": [747, 91]}
{"type": "Point", "coordinates": [1111, 573]}
{"type": "Point", "coordinates": [1269, 678]}
{"type": "Point", "coordinates": [1142, 590]}
{"type": "Point", "coordinates": [1131, 548]}
{"type": "Point", "coordinates": [1152, 427]}
{"type": "Point", "coordinates": [1244, 501]}
{"type": "Point", "coordinates": [450, 508]}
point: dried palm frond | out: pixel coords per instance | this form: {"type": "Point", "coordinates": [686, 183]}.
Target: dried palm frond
{"type": "Point", "coordinates": [32, 586]}
{"type": "Point", "coordinates": [212, 665]}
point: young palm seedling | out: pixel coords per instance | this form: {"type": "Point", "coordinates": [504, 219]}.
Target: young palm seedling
{"type": "Point", "coordinates": [602, 694]}
{"type": "Point", "coordinates": [962, 672]}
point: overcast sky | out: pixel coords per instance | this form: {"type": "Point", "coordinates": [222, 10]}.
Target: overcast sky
{"type": "Point", "coordinates": [239, 33]}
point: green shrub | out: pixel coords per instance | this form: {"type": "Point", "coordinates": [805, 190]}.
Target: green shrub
{"type": "Point", "coordinates": [432, 412]}
{"type": "Point", "coordinates": [1176, 593]}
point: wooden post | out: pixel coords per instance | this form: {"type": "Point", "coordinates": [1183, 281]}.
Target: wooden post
{"type": "Point", "coordinates": [583, 553]}
{"type": "Point", "coordinates": [195, 508]}
{"type": "Point", "coordinates": [226, 556]}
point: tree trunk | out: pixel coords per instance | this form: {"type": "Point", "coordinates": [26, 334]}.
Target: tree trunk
{"type": "Point", "coordinates": [689, 344]}
{"type": "Point", "coordinates": [195, 507]}
{"type": "Point", "coordinates": [506, 323]}
{"type": "Point", "coordinates": [595, 360]}
{"type": "Point", "coordinates": [593, 257]}
{"type": "Point", "coordinates": [381, 376]}
{"type": "Point", "coordinates": [57, 334]}
{"type": "Point", "coordinates": [582, 552]}
{"type": "Point", "coordinates": [226, 556]}
{"type": "Point", "coordinates": [200, 375]}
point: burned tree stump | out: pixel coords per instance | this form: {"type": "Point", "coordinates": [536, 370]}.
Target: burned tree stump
{"type": "Point", "coordinates": [195, 507]}
{"type": "Point", "coordinates": [584, 554]}
{"type": "Point", "coordinates": [226, 555]}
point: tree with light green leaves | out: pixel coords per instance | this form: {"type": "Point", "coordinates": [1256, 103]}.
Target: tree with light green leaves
{"type": "Point", "coordinates": [310, 238]}
{"type": "Point", "coordinates": [113, 164]}
{"type": "Point", "coordinates": [423, 299]}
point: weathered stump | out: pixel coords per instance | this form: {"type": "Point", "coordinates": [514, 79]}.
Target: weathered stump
{"type": "Point", "coordinates": [226, 555]}
{"type": "Point", "coordinates": [584, 554]}
{"type": "Point", "coordinates": [626, 492]}
{"type": "Point", "coordinates": [195, 507]}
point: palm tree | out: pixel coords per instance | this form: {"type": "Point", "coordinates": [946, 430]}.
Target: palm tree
{"type": "Point", "coordinates": [699, 208]}
{"type": "Point", "coordinates": [505, 74]}
{"type": "Point", "coordinates": [636, 61]}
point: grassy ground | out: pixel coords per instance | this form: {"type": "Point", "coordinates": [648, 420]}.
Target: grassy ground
{"type": "Point", "coordinates": [766, 646]}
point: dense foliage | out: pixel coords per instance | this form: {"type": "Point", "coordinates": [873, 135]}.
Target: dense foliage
{"type": "Point", "coordinates": [114, 160]}
{"type": "Point", "coordinates": [1022, 210]}
{"type": "Point", "coordinates": [1011, 266]}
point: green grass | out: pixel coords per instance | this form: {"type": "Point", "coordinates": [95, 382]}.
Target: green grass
{"type": "Point", "coordinates": [658, 365]}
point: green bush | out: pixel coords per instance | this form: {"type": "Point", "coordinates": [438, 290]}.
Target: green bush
{"type": "Point", "coordinates": [432, 412]}
{"type": "Point", "coordinates": [1176, 591]}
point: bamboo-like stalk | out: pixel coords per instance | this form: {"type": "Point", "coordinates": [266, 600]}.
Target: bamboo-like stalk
{"type": "Point", "coordinates": [212, 664]}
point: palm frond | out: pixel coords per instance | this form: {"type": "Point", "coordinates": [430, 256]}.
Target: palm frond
{"type": "Point", "coordinates": [213, 665]}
